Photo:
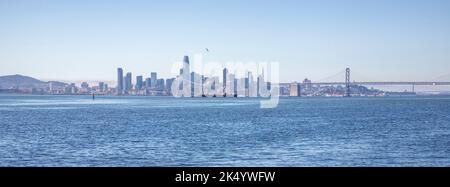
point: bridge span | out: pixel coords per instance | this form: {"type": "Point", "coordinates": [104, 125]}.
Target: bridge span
{"type": "Point", "coordinates": [383, 83]}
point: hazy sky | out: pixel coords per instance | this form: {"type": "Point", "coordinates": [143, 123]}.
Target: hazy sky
{"type": "Point", "coordinates": [87, 40]}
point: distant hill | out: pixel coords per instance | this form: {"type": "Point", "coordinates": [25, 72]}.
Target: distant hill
{"type": "Point", "coordinates": [25, 82]}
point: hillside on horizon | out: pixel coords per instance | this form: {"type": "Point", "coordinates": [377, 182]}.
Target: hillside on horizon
{"type": "Point", "coordinates": [25, 82]}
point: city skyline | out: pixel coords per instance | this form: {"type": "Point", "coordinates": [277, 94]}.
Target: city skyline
{"type": "Point", "coordinates": [398, 41]}
{"type": "Point", "coordinates": [130, 85]}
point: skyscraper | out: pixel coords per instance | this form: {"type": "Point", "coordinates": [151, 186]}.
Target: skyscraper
{"type": "Point", "coordinates": [186, 77]}
{"type": "Point", "coordinates": [128, 84]}
{"type": "Point", "coordinates": [225, 74]}
{"type": "Point", "coordinates": [154, 79]}
{"type": "Point", "coordinates": [148, 82]}
{"type": "Point", "coordinates": [139, 82]}
{"type": "Point", "coordinates": [252, 88]}
{"type": "Point", "coordinates": [230, 85]}
{"type": "Point", "coordinates": [196, 84]}
{"type": "Point", "coordinates": [169, 85]}
{"type": "Point", "coordinates": [235, 89]}
{"type": "Point", "coordinates": [186, 64]}
{"type": "Point", "coordinates": [192, 83]}
{"type": "Point", "coordinates": [160, 84]}
{"type": "Point", "coordinates": [101, 86]}
{"type": "Point", "coordinates": [119, 81]}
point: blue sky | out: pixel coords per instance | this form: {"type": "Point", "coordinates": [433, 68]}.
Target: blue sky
{"type": "Point", "coordinates": [87, 40]}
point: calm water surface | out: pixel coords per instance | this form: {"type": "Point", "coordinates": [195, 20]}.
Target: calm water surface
{"type": "Point", "coordinates": [166, 131]}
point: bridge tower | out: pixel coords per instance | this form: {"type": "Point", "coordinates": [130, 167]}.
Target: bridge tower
{"type": "Point", "coordinates": [347, 82]}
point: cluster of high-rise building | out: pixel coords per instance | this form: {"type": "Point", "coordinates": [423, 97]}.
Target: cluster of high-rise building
{"type": "Point", "coordinates": [196, 85]}
{"type": "Point", "coordinates": [226, 85]}
{"type": "Point", "coordinates": [150, 86]}
{"type": "Point", "coordinates": [193, 84]}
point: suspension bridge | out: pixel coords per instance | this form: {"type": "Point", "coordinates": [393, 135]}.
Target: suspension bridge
{"type": "Point", "coordinates": [346, 81]}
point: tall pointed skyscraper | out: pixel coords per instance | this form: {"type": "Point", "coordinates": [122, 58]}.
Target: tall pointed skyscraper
{"type": "Point", "coordinates": [186, 77]}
